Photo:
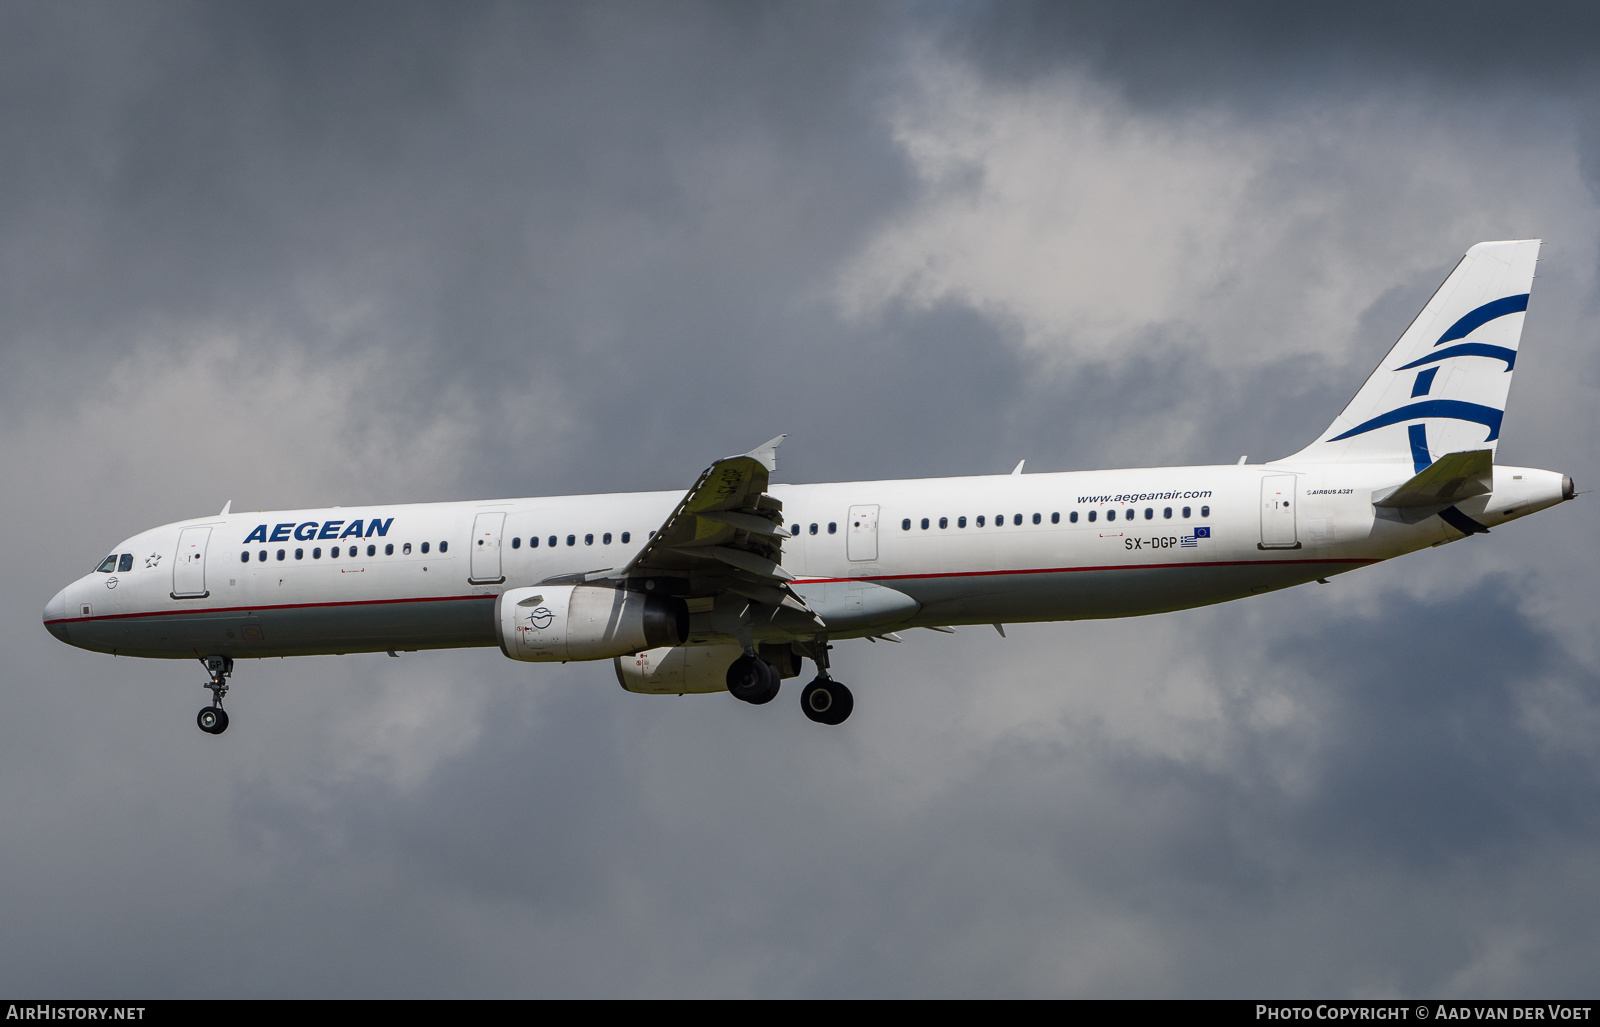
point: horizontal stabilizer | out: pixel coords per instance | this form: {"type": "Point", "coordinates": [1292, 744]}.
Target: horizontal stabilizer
{"type": "Point", "coordinates": [1449, 479]}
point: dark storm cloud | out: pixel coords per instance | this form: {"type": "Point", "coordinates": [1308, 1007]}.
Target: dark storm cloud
{"type": "Point", "coordinates": [1168, 51]}
{"type": "Point", "coordinates": [590, 196]}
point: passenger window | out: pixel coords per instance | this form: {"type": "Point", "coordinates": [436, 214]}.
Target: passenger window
{"type": "Point", "coordinates": [1205, 511]}
{"type": "Point", "coordinates": [625, 534]}
{"type": "Point", "coordinates": [1073, 517]}
{"type": "Point", "coordinates": [833, 527]}
{"type": "Point", "coordinates": [924, 524]}
{"type": "Point", "coordinates": [961, 522]}
{"type": "Point", "coordinates": [552, 541]}
{"type": "Point", "coordinates": [1111, 515]}
{"type": "Point", "coordinates": [588, 539]}
{"type": "Point", "coordinates": [516, 543]}
{"type": "Point", "coordinates": [944, 522]}
{"type": "Point", "coordinates": [388, 550]}
{"type": "Point", "coordinates": [1037, 518]}
{"type": "Point", "coordinates": [999, 520]}
{"type": "Point", "coordinates": [1091, 516]}
{"type": "Point", "coordinates": [905, 525]}
{"type": "Point", "coordinates": [1055, 518]}
{"type": "Point", "coordinates": [281, 554]}
{"type": "Point", "coordinates": [605, 539]}
{"type": "Point", "coordinates": [1148, 513]}
{"type": "Point", "coordinates": [405, 550]}
{"type": "Point", "coordinates": [372, 550]}
{"type": "Point", "coordinates": [533, 541]}
{"type": "Point", "coordinates": [444, 547]}
{"type": "Point", "coordinates": [263, 556]}
{"type": "Point", "coordinates": [1185, 512]}
{"type": "Point", "coordinates": [333, 552]}
{"type": "Point", "coordinates": [299, 554]}
{"type": "Point", "coordinates": [813, 529]}
{"type": "Point", "coordinates": [352, 550]}
{"type": "Point", "coordinates": [316, 554]}
{"type": "Point", "coordinates": [572, 540]}
{"type": "Point", "coordinates": [980, 520]}
{"type": "Point", "coordinates": [1017, 519]}
{"type": "Point", "coordinates": [1167, 513]}
{"type": "Point", "coordinates": [126, 563]}
{"type": "Point", "coordinates": [110, 564]}
{"type": "Point", "coordinates": [794, 529]}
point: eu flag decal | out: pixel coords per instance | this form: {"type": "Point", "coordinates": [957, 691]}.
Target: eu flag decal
{"type": "Point", "coordinates": [1191, 541]}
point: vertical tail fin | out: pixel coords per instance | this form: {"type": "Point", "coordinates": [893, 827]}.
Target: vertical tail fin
{"type": "Point", "coordinates": [1443, 387]}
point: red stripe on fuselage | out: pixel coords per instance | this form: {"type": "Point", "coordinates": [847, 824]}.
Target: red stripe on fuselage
{"type": "Point", "coordinates": [186, 611]}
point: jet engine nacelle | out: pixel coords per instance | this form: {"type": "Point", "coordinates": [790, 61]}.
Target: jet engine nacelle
{"type": "Point", "coordinates": [694, 668]}
{"type": "Point", "coordinates": [558, 623]}
{"type": "Point", "coordinates": [678, 669]}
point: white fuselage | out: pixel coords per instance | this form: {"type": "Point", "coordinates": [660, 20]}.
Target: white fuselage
{"type": "Point", "coordinates": [950, 550]}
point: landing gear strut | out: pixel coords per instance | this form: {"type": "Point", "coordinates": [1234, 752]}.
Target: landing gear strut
{"type": "Point", "coordinates": [213, 719]}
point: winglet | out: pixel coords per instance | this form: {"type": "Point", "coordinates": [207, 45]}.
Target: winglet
{"type": "Point", "coordinates": [1018, 469]}
{"type": "Point", "coordinates": [225, 508]}
{"type": "Point", "coordinates": [767, 453]}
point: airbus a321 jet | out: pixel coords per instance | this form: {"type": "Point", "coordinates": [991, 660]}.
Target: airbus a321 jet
{"type": "Point", "coordinates": [727, 587]}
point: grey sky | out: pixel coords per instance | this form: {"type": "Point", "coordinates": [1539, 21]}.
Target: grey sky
{"type": "Point", "coordinates": [302, 255]}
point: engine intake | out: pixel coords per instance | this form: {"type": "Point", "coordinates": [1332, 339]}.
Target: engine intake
{"type": "Point", "coordinates": [559, 623]}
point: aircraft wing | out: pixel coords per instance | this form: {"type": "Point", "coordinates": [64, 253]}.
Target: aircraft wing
{"type": "Point", "coordinates": [725, 535]}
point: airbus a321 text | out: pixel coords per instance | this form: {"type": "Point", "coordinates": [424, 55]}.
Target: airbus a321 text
{"type": "Point", "coordinates": [727, 587]}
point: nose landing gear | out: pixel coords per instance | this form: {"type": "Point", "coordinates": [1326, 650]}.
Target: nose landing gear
{"type": "Point", "coordinates": [213, 719]}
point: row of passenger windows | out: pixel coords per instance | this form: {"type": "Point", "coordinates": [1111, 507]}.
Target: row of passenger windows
{"type": "Point", "coordinates": [388, 550]}
{"type": "Point", "coordinates": [833, 528]}
{"type": "Point", "coordinates": [333, 552]}
{"type": "Point", "coordinates": [572, 540]}
{"type": "Point", "coordinates": [1055, 518]}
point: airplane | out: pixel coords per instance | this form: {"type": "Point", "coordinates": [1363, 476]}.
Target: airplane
{"type": "Point", "coordinates": [729, 586]}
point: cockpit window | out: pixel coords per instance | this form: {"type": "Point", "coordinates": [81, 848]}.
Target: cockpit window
{"type": "Point", "coordinates": [125, 563]}
{"type": "Point", "coordinates": [109, 566]}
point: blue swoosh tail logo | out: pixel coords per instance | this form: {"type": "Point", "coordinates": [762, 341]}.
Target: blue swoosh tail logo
{"type": "Point", "coordinates": [1466, 349]}
{"type": "Point", "coordinates": [1452, 409]}
{"type": "Point", "coordinates": [1473, 320]}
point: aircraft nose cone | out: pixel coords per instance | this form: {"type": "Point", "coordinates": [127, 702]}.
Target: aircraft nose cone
{"type": "Point", "coordinates": [55, 614]}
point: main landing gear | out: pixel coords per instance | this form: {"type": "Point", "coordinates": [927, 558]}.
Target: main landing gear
{"type": "Point", "coordinates": [213, 719]}
{"type": "Point", "coordinates": [753, 680]}
{"type": "Point", "coordinates": [825, 701]}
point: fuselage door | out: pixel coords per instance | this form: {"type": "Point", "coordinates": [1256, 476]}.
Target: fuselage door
{"type": "Point", "coordinates": [189, 566]}
{"type": "Point", "coordinates": [486, 548]}
{"type": "Point", "coordinates": [861, 533]}
{"type": "Point", "coordinates": [1278, 502]}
